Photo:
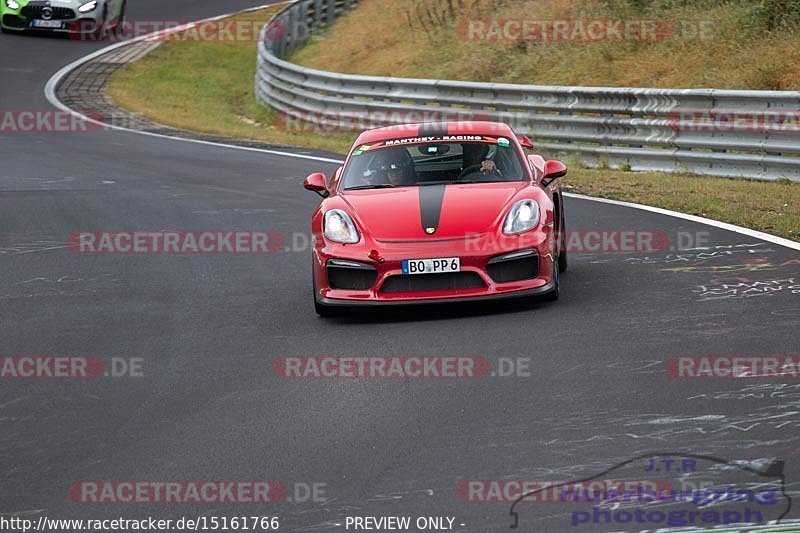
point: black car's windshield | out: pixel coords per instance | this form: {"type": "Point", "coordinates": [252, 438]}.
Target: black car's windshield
{"type": "Point", "coordinates": [403, 164]}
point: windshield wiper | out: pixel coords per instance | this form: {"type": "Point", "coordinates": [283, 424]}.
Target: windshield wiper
{"type": "Point", "coordinates": [364, 187]}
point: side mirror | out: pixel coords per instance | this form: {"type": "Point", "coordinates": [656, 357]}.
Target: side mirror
{"type": "Point", "coordinates": [552, 171]}
{"type": "Point", "coordinates": [525, 142]}
{"type": "Point", "coordinates": [316, 182]}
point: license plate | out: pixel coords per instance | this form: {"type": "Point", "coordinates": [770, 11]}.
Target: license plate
{"type": "Point", "coordinates": [431, 266]}
{"type": "Point", "coordinates": [46, 24]}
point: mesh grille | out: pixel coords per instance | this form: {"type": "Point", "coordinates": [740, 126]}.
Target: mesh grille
{"type": "Point", "coordinates": [351, 279]}
{"type": "Point", "coordinates": [514, 270]}
{"type": "Point", "coordinates": [433, 282]}
{"type": "Point", "coordinates": [59, 13]}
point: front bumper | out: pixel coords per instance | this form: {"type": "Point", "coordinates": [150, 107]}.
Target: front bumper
{"type": "Point", "coordinates": [516, 267]}
{"type": "Point", "coordinates": [539, 291]}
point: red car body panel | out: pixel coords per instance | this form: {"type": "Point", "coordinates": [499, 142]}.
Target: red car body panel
{"type": "Point", "coordinates": [470, 228]}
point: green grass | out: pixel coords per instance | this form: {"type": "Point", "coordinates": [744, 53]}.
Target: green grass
{"type": "Point", "coordinates": [208, 87]}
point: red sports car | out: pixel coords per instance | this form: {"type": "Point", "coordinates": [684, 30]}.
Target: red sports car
{"type": "Point", "coordinates": [430, 213]}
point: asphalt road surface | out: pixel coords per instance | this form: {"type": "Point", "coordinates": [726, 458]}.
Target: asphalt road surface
{"type": "Point", "coordinates": [206, 330]}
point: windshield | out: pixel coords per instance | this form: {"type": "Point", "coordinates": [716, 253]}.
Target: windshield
{"type": "Point", "coordinates": [408, 163]}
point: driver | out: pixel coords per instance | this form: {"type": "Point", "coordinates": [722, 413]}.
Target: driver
{"type": "Point", "coordinates": [398, 167]}
{"type": "Point", "coordinates": [475, 159]}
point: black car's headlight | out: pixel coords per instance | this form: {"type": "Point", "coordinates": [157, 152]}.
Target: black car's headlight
{"type": "Point", "coordinates": [88, 6]}
{"type": "Point", "coordinates": [523, 216]}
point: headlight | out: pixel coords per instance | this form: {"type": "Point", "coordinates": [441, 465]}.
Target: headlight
{"type": "Point", "coordinates": [12, 4]}
{"type": "Point", "coordinates": [524, 216]}
{"type": "Point", "coordinates": [89, 6]}
{"type": "Point", "coordinates": [339, 227]}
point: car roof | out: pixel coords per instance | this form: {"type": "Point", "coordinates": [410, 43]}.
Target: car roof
{"type": "Point", "coordinates": [437, 129]}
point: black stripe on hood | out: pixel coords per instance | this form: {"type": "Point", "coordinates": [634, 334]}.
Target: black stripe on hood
{"type": "Point", "coordinates": [431, 198]}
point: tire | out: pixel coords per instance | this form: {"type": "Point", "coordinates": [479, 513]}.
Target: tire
{"type": "Point", "coordinates": [120, 20]}
{"type": "Point", "coordinates": [101, 31]}
{"type": "Point", "coordinates": [553, 295]}
{"type": "Point", "coordinates": [562, 246]}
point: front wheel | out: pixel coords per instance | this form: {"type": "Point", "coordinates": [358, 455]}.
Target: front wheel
{"type": "Point", "coordinates": [118, 27]}
{"type": "Point", "coordinates": [101, 31]}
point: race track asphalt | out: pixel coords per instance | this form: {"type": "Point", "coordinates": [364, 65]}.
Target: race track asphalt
{"type": "Point", "coordinates": [208, 328]}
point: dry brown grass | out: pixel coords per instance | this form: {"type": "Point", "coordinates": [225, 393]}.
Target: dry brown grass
{"type": "Point", "coordinates": [421, 38]}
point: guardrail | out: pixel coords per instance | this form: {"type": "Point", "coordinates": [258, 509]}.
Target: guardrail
{"type": "Point", "coordinates": [746, 134]}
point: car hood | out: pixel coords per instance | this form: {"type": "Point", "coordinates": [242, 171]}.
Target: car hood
{"type": "Point", "coordinates": [432, 211]}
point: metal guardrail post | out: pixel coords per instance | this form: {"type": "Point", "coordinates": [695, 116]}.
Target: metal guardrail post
{"type": "Point", "coordinates": [318, 14]}
{"type": "Point", "coordinates": [331, 12]}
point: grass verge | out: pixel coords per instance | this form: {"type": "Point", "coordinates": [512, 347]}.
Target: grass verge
{"type": "Point", "coordinates": [208, 87]}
